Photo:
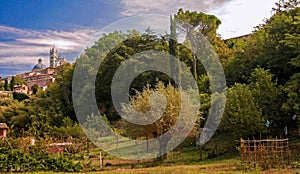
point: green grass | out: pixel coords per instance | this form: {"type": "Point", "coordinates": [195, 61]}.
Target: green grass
{"type": "Point", "coordinates": [186, 160]}
{"type": "Point", "coordinates": [181, 160]}
{"type": "Point", "coordinates": [212, 167]}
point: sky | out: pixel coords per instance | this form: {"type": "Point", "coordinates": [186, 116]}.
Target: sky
{"type": "Point", "coordinates": [28, 29]}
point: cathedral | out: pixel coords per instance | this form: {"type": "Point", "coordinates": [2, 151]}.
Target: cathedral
{"type": "Point", "coordinates": [42, 75]}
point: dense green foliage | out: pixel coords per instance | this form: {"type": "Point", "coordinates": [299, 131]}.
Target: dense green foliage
{"type": "Point", "coordinates": [20, 96]}
{"type": "Point", "coordinates": [34, 158]}
{"type": "Point", "coordinates": [262, 73]}
{"type": "Point", "coordinates": [35, 88]}
{"type": "Point", "coordinates": [273, 47]}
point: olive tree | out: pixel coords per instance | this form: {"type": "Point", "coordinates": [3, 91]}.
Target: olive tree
{"type": "Point", "coordinates": [162, 106]}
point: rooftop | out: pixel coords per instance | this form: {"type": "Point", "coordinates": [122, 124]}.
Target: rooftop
{"type": "Point", "coordinates": [3, 126]}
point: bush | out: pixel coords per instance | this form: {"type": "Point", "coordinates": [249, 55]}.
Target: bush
{"type": "Point", "coordinates": [20, 96]}
{"type": "Point", "coordinates": [37, 159]}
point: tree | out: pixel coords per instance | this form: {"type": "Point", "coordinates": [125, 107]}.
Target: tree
{"type": "Point", "coordinates": [273, 45]}
{"type": "Point", "coordinates": [130, 44]}
{"type": "Point", "coordinates": [19, 80]}
{"type": "Point", "coordinates": [242, 116]}
{"type": "Point", "coordinates": [175, 104]}
{"type": "Point", "coordinates": [192, 23]}
{"type": "Point", "coordinates": [6, 85]}
{"type": "Point", "coordinates": [20, 96]}
{"type": "Point", "coordinates": [12, 83]}
{"type": "Point", "coordinates": [61, 90]}
{"type": "Point", "coordinates": [292, 89]}
{"type": "Point", "coordinates": [268, 96]}
{"type": "Point", "coordinates": [241, 65]}
{"type": "Point", "coordinates": [285, 5]}
{"type": "Point", "coordinates": [279, 44]}
{"type": "Point", "coordinates": [173, 48]}
{"type": "Point", "coordinates": [1, 85]}
{"type": "Point", "coordinates": [35, 88]}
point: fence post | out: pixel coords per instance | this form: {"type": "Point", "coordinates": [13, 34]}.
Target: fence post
{"type": "Point", "coordinates": [101, 162]}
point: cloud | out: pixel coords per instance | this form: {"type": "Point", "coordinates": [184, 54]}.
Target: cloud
{"type": "Point", "coordinates": [10, 31]}
{"type": "Point", "coordinates": [20, 49]}
{"type": "Point", "coordinates": [158, 23]}
{"type": "Point", "coordinates": [167, 7]}
{"type": "Point", "coordinates": [239, 17]}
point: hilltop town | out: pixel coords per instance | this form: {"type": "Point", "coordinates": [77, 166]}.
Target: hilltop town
{"type": "Point", "coordinates": [40, 75]}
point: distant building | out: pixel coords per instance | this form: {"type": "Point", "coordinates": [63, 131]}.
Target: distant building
{"type": "Point", "coordinates": [58, 147]}
{"type": "Point", "coordinates": [42, 80]}
{"type": "Point", "coordinates": [21, 89]}
{"type": "Point", "coordinates": [3, 130]}
{"type": "Point", "coordinates": [40, 74]}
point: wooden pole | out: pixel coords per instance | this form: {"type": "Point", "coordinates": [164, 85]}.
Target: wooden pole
{"type": "Point", "coordinates": [147, 143]}
{"type": "Point", "coordinates": [201, 152]}
{"type": "Point", "coordinates": [101, 162]}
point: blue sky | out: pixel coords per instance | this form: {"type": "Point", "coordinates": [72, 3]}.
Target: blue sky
{"type": "Point", "coordinates": [57, 14]}
{"type": "Point", "coordinates": [29, 28]}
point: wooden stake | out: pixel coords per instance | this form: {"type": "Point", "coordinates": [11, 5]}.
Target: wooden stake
{"type": "Point", "coordinates": [101, 162]}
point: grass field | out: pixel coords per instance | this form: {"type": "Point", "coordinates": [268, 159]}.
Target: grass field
{"type": "Point", "coordinates": [224, 167]}
{"type": "Point", "coordinates": [183, 160]}
{"type": "Point", "coordinates": [221, 165]}
{"type": "Point", "coordinates": [226, 164]}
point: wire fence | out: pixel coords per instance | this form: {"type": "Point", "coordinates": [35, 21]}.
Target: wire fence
{"type": "Point", "coordinates": [266, 153]}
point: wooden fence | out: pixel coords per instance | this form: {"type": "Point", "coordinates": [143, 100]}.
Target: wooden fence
{"type": "Point", "coordinates": [266, 153]}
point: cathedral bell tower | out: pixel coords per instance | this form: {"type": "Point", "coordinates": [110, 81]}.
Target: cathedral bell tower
{"type": "Point", "coordinates": [53, 57]}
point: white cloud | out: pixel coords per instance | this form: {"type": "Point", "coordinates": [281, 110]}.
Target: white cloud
{"type": "Point", "coordinates": [167, 7]}
{"type": "Point", "coordinates": [158, 23]}
{"type": "Point", "coordinates": [10, 30]}
{"type": "Point", "coordinates": [21, 48]}
{"type": "Point", "coordinates": [239, 17]}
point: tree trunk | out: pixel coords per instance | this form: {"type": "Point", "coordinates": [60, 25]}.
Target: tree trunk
{"type": "Point", "coordinates": [195, 65]}
{"type": "Point", "coordinates": [163, 147]}
{"type": "Point", "coordinates": [174, 66]}
{"type": "Point", "coordinates": [201, 153]}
